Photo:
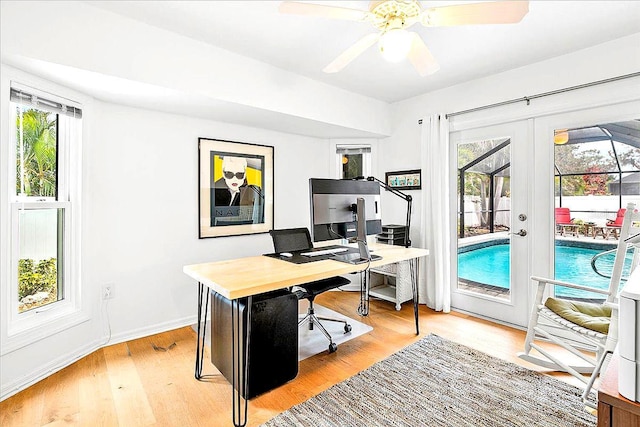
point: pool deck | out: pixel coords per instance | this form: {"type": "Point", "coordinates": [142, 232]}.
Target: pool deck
{"type": "Point", "coordinates": [482, 289]}
{"type": "Point", "coordinates": [481, 238]}
{"type": "Point", "coordinates": [588, 242]}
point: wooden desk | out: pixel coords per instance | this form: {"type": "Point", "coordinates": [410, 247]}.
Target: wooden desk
{"type": "Point", "coordinates": [246, 277]}
{"type": "Point", "coordinates": [614, 410]}
{"type": "Point", "coordinates": [249, 276]}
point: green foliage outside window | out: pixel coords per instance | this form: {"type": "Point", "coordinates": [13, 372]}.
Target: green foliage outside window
{"type": "Point", "coordinates": [36, 170]}
{"type": "Point", "coordinates": [36, 277]}
{"type": "Point", "coordinates": [582, 170]}
{"type": "Point", "coordinates": [36, 176]}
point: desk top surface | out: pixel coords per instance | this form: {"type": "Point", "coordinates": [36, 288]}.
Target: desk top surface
{"type": "Point", "coordinates": [254, 275]}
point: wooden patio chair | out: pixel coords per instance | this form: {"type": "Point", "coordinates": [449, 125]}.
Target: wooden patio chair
{"type": "Point", "coordinates": [613, 225]}
{"type": "Point", "coordinates": [617, 222]}
{"type": "Point", "coordinates": [611, 228]}
{"type": "Point", "coordinates": [564, 222]}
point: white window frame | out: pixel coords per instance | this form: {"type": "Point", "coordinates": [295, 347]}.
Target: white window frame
{"type": "Point", "coordinates": [21, 329]}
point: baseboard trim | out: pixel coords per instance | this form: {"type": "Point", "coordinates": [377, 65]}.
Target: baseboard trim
{"type": "Point", "coordinates": [50, 368]}
{"type": "Point", "coordinates": [62, 362]}
{"type": "Point", "coordinates": [151, 330]}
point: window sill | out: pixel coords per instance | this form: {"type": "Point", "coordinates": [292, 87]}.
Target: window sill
{"type": "Point", "coordinates": [54, 324]}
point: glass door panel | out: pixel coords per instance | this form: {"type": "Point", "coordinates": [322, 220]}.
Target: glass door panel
{"type": "Point", "coordinates": [492, 261]}
{"type": "Point", "coordinates": [597, 172]}
{"type": "Point", "coordinates": [484, 216]}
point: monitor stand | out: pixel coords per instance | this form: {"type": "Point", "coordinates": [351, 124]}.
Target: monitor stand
{"type": "Point", "coordinates": [354, 258]}
{"type": "Point", "coordinates": [363, 254]}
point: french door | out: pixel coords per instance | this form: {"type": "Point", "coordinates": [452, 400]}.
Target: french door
{"type": "Point", "coordinates": [493, 166]}
{"type": "Point", "coordinates": [507, 180]}
{"type": "Point", "coordinates": [590, 171]}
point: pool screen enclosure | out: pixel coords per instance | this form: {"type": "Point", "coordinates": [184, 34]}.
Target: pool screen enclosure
{"type": "Point", "coordinates": [599, 160]}
{"type": "Point", "coordinates": [492, 163]}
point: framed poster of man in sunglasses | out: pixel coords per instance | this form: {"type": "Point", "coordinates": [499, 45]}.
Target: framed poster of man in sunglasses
{"type": "Point", "coordinates": [235, 194]}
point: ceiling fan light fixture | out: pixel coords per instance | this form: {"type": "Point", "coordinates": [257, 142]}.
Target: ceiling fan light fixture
{"type": "Point", "coordinates": [395, 44]}
{"type": "Point", "coordinates": [392, 18]}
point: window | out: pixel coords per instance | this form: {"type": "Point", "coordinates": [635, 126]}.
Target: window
{"type": "Point", "coordinates": [43, 290]}
{"type": "Point", "coordinates": [353, 161]}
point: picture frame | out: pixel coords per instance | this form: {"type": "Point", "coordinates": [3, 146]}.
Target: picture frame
{"type": "Point", "coordinates": [404, 180]}
{"type": "Point", "coordinates": [235, 190]}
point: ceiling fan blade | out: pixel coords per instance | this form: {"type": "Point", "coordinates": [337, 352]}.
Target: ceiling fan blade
{"type": "Point", "coordinates": [421, 58]}
{"type": "Point", "coordinates": [351, 53]}
{"type": "Point", "coordinates": [497, 12]}
{"type": "Point", "coordinates": [333, 12]}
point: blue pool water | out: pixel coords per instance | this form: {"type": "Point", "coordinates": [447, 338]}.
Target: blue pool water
{"type": "Point", "coordinates": [490, 265]}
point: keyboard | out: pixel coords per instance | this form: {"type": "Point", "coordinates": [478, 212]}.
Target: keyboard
{"type": "Point", "coordinates": [325, 252]}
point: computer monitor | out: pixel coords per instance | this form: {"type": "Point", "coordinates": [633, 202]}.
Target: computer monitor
{"type": "Point", "coordinates": [334, 206]}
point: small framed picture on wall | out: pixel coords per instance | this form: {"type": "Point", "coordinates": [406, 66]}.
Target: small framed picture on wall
{"type": "Point", "coordinates": [404, 180]}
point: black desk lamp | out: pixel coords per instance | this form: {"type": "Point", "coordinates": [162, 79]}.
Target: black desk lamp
{"type": "Point", "coordinates": [406, 197]}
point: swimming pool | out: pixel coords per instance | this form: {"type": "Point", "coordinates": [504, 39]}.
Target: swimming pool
{"type": "Point", "coordinates": [489, 264]}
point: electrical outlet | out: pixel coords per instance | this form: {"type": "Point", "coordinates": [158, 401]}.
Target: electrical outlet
{"type": "Point", "coordinates": [107, 291]}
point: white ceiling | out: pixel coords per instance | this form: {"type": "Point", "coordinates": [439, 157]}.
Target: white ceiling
{"type": "Point", "coordinates": [304, 45]}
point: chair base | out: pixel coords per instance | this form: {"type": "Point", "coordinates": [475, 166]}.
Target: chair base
{"type": "Point", "coordinates": [577, 371]}
{"type": "Point", "coordinates": [587, 373]}
{"type": "Point", "coordinates": [547, 364]}
{"type": "Point", "coordinates": [312, 320]}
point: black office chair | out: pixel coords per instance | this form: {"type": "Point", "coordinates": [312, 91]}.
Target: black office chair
{"type": "Point", "coordinates": [299, 239]}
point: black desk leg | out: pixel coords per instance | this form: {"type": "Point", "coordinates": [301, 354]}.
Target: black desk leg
{"type": "Point", "coordinates": [365, 278]}
{"type": "Point", "coordinates": [201, 329]}
{"type": "Point", "coordinates": [414, 267]}
{"type": "Point", "coordinates": [240, 337]}
{"type": "Point", "coordinates": [240, 352]}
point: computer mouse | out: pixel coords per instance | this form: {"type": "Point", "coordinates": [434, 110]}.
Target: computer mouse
{"type": "Point", "coordinates": [286, 254]}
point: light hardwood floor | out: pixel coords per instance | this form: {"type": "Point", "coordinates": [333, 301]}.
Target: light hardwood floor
{"type": "Point", "coordinates": [150, 382]}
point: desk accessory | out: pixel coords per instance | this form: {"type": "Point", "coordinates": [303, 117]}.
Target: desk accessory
{"type": "Point", "coordinates": [406, 197]}
{"type": "Point", "coordinates": [272, 341]}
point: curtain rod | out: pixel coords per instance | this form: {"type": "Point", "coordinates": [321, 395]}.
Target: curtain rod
{"type": "Point", "coordinates": [527, 99]}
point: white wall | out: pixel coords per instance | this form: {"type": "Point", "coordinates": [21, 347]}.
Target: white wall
{"type": "Point", "coordinates": [139, 220]}
{"type": "Point", "coordinates": [141, 208]}
{"type": "Point", "coordinates": [89, 42]}
{"type": "Point", "coordinates": [612, 59]}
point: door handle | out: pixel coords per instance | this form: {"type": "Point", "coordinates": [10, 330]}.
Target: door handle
{"type": "Point", "coordinates": [522, 232]}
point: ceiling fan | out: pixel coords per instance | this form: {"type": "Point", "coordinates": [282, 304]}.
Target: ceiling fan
{"type": "Point", "coordinates": [392, 18]}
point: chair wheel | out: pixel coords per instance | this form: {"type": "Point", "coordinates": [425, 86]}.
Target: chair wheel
{"type": "Point", "coordinates": [347, 328]}
{"type": "Point", "coordinates": [333, 347]}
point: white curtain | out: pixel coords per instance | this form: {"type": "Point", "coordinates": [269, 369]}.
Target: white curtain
{"type": "Point", "coordinates": [436, 214]}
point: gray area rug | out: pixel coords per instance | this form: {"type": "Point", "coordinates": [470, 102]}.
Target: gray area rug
{"type": "Point", "coordinates": [435, 382]}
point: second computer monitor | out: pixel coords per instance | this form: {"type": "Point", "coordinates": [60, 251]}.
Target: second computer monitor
{"type": "Point", "coordinates": [334, 208]}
